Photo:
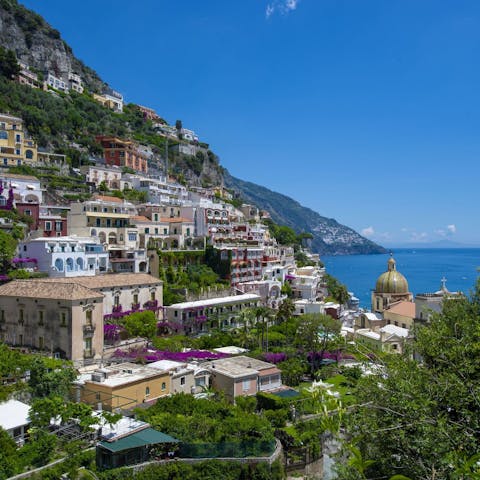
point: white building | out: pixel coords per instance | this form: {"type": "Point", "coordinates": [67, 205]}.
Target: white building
{"type": "Point", "coordinates": [201, 315]}
{"type": "Point", "coordinates": [75, 82]}
{"type": "Point", "coordinates": [56, 83]}
{"type": "Point", "coordinates": [66, 256]}
{"type": "Point", "coordinates": [26, 188]}
{"type": "Point", "coordinates": [159, 190]}
{"type": "Point", "coordinates": [14, 419]}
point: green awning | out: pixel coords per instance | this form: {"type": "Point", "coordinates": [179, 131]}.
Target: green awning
{"type": "Point", "coordinates": [145, 437]}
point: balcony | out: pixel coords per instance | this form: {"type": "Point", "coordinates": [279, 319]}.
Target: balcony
{"type": "Point", "coordinates": [89, 353]}
{"type": "Point", "coordinates": [88, 330]}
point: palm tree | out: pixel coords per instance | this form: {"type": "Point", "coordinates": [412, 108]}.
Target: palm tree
{"type": "Point", "coordinates": [262, 313]}
{"type": "Point", "coordinates": [245, 318]}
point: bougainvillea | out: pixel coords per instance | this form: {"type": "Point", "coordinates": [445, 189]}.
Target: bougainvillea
{"type": "Point", "coordinates": [151, 355]}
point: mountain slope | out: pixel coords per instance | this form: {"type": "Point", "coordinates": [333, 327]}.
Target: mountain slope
{"type": "Point", "coordinates": [329, 236]}
{"type": "Point", "coordinates": [39, 45]}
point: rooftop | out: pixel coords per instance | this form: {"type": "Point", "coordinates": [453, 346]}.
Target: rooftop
{"type": "Point", "coordinates": [17, 176]}
{"type": "Point", "coordinates": [210, 302]}
{"type": "Point", "coordinates": [125, 373]}
{"type": "Point", "coordinates": [61, 289]}
{"type": "Point", "coordinates": [13, 414]}
{"type": "Point", "coordinates": [406, 309]}
{"type": "Point", "coordinates": [238, 367]}
{"type": "Point", "coordinates": [110, 280]}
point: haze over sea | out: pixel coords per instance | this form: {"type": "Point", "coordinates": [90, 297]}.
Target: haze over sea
{"type": "Point", "coordinates": [422, 267]}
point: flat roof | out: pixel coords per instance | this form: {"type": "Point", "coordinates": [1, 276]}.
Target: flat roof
{"type": "Point", "coordinates": [215, 301]}
{"type": "Point", "coordinates": [241, 366]}
{"type": "Point", "coordinates": [126, 373]}
{"type": "Point", "coordinates": [145, 437]}
{"type": "Point", "coordinates": [13, 414]}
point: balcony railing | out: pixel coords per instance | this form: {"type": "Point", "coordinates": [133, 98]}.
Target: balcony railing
{"type": "Point", "coordinates": [88, 330]}
{"type": "Point", "coordinates": [89, 353]}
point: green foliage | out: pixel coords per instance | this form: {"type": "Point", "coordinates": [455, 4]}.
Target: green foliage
{"type": "Point", "coordinates": [337, 290]}
{"type": "Point", "coordinates": [293, 370]}
{"type": "Point", "coordinates": [9, 464]}
{"type": "Point", "coordinates": [50, 377]}
{"type": "Point", "coordinates": [141, 324]}
{"type": "Point", "coordinates": [424, 418]}
{"type": "Point", "coordinates": [8, 246]}
{"type": "Point", "coordinates": [9, 67]}
{"type": "Point", "coordinates": [205, 420]}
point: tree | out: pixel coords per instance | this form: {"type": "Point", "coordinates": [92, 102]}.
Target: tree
{"type": "Point", "coordinates": [141, 324]}
{"type": "Point", "coordinates": [336, 290]}
{"type": "Point", "coordinates": [422, 420]}
{"type": "Point", "coordinates": [293, 370]}
{"type": "Point", "coordinates": [8, 246]}
{"type": "Point", "coordinates": [285, 310]}
{"type": "Point", "coordinates": [8, 455]}
{"type": "Point", "coordinates": [315, 333]}
{"type": "Point", "coordinates": [9, 67]}
{"type": "Point", "coordinates": [54, 379]}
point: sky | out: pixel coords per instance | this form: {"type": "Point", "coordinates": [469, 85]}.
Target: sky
{"type": "Point", "coordinates": [367, 111]}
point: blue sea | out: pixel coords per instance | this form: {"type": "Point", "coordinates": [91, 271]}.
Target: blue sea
{"type": "Point", "coordinates": [422, 267]}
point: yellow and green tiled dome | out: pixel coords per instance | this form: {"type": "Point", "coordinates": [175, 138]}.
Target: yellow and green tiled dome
{"type": "Point", "coordinates": [391, 281]}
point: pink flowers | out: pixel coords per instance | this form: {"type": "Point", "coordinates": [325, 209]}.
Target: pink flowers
{"type": "Point", "coordinates": [156, 355]}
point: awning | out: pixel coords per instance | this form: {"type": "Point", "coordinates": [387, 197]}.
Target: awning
{"type": "Point", "coordinates": [145, 437]}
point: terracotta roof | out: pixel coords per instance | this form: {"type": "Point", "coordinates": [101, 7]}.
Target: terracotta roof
{"type": "Point", "coordinates": [140, 218]}
{"type": "Point", "coordinates": [107, 198]}
{"type": "Point", "coordinates": [110, 280]}
{"type": "Point", "coordinates": [47, 289]}
{"type": "Point", "coordinates": [406, 309]}
{"type": "Point", "coordinates": [175, 220]}
{"type": "Point", "coordinates": [19, 177]}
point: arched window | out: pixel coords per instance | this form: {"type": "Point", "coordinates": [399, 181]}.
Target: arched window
{"type": "Point", "coordinates": [59, 265]}
{"type": "Point", "coordinates": [79, 263]}
{"type": "Point", "coordinates": [28, 154]}
{"type": "Point", "coordinates": [147, 391]}
{"type": "Point", "coordinates": [3, 135]}
{"type": "Point", "coordinates": [69, 264]}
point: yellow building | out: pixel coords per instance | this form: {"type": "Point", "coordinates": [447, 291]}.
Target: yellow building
{"type": "Point", "coordinates": [15, 148]}
{"type": "Point", "coordinates": [124, 386]}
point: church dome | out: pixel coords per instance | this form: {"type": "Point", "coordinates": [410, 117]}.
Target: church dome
{"type": "Point", "coordinates": [391, 281]}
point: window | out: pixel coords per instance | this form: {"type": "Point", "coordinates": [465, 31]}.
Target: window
{"type": "Point", "coordinates": [88, 317]}
{"type": "Point", "coordinates": [246, 385]}
{"type": "Point", "coordinates": [21, 316]}
{"type": "Point", "coordinates": [116, 300]}
{"type": "Point", "coordinates": [48, 226]}
{"type": "Point", "coordinates": [2, 316]}
{"type": "Point", "coordinates": [58, 226]}
{"type": "Point", "coordinates": [63, 319]}
{"type": "Point", "coordinates": [404, 325]}
{"type": "Point", "coordinates": [41, 343]}
{"type": "Point", "coordinates": [152, 296]}
{"type": "Point", "coordinates": [165, 231]}
{"type": "Point", "coordinates": [135, 299]}
{"type": "Point", "coordinates": [97, 396]}
{"type": "Point", "coordinates": [164, 385]}
{"type": "Point", "coordinates": [155, 217]}
{"type": "Point", "coordinates": [147, 391]}
{"type": "Point", "coordinates": [40, 318]}
{"type": "Point", "coordinates": [18, 138]}
{"type": "Point", "coordinates": [147, 230]}
{"type": "Point", "coordinates": [3, 135]}
{"type": "Point", "coordinates": [28, 212]}
{"type": "Point", "coordinates": [182, 381]}
{"type": "Point", "coordinates": [29, 154]}
{"type": "Point", "coordinates": [132, 236]}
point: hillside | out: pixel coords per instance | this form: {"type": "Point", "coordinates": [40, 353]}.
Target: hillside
{"type": "Point", "coordinates": [68, 124]}
{"type": "Point", "coordinates": [329, 236]}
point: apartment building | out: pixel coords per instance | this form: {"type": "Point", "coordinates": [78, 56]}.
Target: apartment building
{"type": "Point", "coordinates": [15, 147]}
{"type": "Point", "coordinates": [123, 153]}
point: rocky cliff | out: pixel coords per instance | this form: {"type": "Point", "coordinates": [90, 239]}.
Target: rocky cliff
{"type": "Point", "coordinates": [39, 45]}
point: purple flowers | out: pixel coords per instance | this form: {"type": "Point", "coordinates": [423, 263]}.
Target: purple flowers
{"type": "Point", "coordinates": [151, 355]}
{"type": "Point", "coordinates": [111, 333]}
{"type": "Point", "coordinates": [275, 357]}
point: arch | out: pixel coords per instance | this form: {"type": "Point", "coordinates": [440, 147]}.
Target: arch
{"type": "Point", "coordinates": [93, 232]}
{"type": "Point", "coordinates": [142, 267]}
{"type": "Point", "coordinates": [29, 154]}
{"type": "Point", "coordinates": [59, 265]}
{"type": "Point", "coordinates": [112, 238]}
{"type": "Point", "coordinates": [69, 264]}
{"type": "Point", "coordinates": [79, 263]}
{"type": "Point", "coordinates": [30, 198]}
{"type": "Point", "coordinates": [102, 237]}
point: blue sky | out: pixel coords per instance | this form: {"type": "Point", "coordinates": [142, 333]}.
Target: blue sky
{"type": "Point", "coordinates": [365, 111]}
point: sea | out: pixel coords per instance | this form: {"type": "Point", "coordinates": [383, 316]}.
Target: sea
{"type": "Point", "coordinates": [423, 268]}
